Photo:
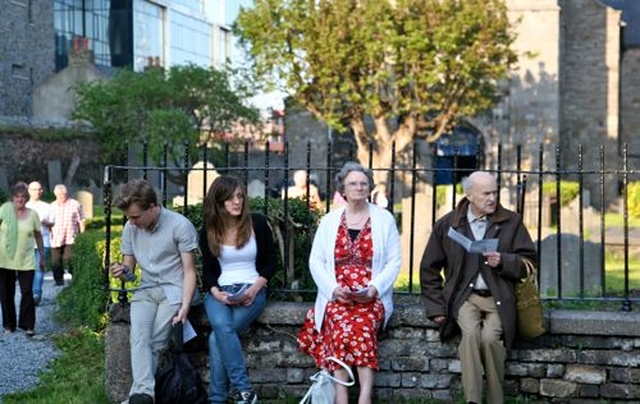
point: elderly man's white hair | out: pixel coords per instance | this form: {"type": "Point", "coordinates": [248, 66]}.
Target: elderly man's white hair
{"type": "Point", "coordinates": [467, 182]}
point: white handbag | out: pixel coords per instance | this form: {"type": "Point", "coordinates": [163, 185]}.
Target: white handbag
{"type": "Point", "coordinates": [323, 390]}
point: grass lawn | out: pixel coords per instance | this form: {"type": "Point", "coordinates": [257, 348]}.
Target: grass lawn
{"type": "Point", "coordinates": [75, 377]}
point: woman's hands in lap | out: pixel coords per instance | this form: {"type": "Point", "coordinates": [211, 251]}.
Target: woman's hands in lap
{"type": "Point", "coordinates": [346, 296]}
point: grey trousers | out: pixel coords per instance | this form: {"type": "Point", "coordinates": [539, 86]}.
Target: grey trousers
{"type": "Point", "coordinates": [481, 349]}
{"type": "Point", "coordinates": [151, 317]}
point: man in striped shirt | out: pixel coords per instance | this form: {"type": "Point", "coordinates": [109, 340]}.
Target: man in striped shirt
{"type": "Point", "coordinates": [69, 222]}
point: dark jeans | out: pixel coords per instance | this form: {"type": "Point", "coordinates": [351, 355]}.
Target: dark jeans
{"type": "Point", "coordinates": [60, 255]}
{"type": "Point", "coordinates": [27, 319]}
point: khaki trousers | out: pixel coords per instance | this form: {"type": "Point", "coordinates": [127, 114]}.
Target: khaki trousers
{"type": "Point", "coordinates": [481, 349]}
{"type": "Point", "coordinates": [151, 317]}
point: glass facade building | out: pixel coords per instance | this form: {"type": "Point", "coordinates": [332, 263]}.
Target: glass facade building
{"type": "Point", "coordinates": [130, 33]}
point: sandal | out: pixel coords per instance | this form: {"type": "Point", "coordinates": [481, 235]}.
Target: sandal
{"type": "Point", "coordinates": [30, 333]}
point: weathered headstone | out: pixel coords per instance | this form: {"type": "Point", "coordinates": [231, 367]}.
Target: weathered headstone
{"type": "Point", "coordinates": [570, 214]}
{"type": "Point", "coordinates": [54, 170]}
{"type": "Point", "coordinates": [86, 200]}
{"type": "Point", "coordinates": [255, 189]}
{"type": "Point", "coordinates": [421, 228]}
{"type": "Point", "coordinates": [196, 182]}
{"type": "Point", "coordinates": [570, 266]}
{"type": "Point", "coordinates": [4, 183]}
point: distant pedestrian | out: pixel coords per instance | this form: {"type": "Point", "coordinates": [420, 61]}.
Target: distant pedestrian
{"type": "Point", "coordinates": [303, 190]}
{"type": "Point", "coordinates": [68, 221]}
{"type": "Point", "coordinates": [19, 231]}
{"type": "Point", "coordinates": [379, 196]}
{"type": "Point", "coordinates": [46, 222]}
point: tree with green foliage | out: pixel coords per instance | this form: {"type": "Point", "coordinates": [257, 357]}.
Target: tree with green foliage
{"type": "Point", "coordinates": [184, 103]}
{"type": "Point", "coordinates": [411, 66]}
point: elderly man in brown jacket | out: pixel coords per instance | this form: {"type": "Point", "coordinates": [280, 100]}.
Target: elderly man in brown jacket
{"type": "Point", "coordinates": [476, 296]}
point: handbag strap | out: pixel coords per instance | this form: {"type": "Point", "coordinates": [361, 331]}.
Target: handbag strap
{"type": "Point", "coordinates": [532, 272]}
{"type": "Point", "coordinates": [328, 375]}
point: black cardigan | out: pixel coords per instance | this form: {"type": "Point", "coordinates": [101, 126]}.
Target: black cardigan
{"type": "Point", "coordinates": [265, 259]}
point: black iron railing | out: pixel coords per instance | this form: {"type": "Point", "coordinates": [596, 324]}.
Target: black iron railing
{"type": "Point", "coordinates": [569, 209]}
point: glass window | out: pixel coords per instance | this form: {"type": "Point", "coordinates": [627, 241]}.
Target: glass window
{"type": "Point", "coordinates": [190, 40]}
{"type": "Point", "coordinates": [148, 34]}
{"type": "Point", "coordinates": [192, 5]}
{"type": "Point", "coordinates": [78, 18]}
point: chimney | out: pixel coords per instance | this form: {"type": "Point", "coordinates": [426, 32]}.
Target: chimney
{"type": "Point", "coordinates": [80, 54]}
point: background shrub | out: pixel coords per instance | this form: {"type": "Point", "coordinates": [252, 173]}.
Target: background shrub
{"type": "Point", "coordinates": [633, 199]}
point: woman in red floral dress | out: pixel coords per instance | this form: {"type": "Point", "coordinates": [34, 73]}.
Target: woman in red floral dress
{"type": "Point", "coordinates": [354, 262]}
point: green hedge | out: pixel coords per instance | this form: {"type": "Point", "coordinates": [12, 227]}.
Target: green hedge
{"type": "Point", "coordinates": [84, 302]}
{"type": "Point", "coordinates": [568, 190]}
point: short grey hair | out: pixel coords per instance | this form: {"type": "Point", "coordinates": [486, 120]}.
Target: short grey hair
{"type": "Point", "coordinates": [466, 184]}
{"type": "Point", "coordinates": [348, 167]}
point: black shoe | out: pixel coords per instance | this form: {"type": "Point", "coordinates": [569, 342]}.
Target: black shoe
{"type": "Point", "coordinates": [36, 299]}
{"type": "Point", "coordinates": [140, 399]}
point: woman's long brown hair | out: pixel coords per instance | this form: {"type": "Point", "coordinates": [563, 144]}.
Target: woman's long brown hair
{"type": "Point", "coordinates": [216, 216]}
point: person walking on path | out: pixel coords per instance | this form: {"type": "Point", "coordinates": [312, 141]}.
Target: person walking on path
{"type": "Point", "coordinates": [19, 231]}
{"type": "Point", "coordinates": [46, 222]}
{"type": "Point", "coordinates": [68, 221]}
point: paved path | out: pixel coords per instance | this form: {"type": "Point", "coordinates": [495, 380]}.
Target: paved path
{"type": "Point", "coordinates": [22, 358]}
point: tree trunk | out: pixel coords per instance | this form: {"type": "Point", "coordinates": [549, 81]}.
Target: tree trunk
{"type": "Point", "coordinates": [381, 144]}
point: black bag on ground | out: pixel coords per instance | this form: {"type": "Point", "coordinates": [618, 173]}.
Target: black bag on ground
{"type": "Point", "coordinates": [179, 382]}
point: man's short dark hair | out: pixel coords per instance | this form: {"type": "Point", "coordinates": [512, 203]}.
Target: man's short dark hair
{"type": "Point", "coordinates": [138, 192]}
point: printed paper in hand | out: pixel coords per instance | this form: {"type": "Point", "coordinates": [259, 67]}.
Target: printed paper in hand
{"type": "Point", "coordinates": [188, 333]}
{"type": "Point", "coordinates": [475, 246]}
{"type": "Point", "coordinates": [360, 292]}
{"type": "Point", "coordinates": [238, 295]}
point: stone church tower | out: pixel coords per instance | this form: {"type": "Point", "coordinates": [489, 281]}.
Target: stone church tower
{"type": "Point", "coordinates": [575, 87]}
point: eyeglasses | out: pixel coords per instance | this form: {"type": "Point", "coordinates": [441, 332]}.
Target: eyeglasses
{"type": "Point", "coordinates": [355, 184]}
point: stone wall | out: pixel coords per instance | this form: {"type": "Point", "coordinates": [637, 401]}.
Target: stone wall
{"type": "Point", "coordinates": [587, 357]}
{"type": "Point", "coordinates": [32, 158]}
{"type": "Point", "coordinates": [27, 50]}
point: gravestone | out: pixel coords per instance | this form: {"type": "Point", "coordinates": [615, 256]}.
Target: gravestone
{"type": "Point", "coordinates": [570, 214]}
{"type": "Point", "coordinates": [54, 171]}
{"type": "Point", "coordinates": [4, 183]}
{"type": "Point", "coordinates": [421, 228]}
{"type": "Point", "coordinates": [86, 200]}
{"type": "Point", "coordinates": [196, 182]}
{"type": "Point", "coordinates": [255, 189]}
{"type": "Point", "coordinates": [570, 266]}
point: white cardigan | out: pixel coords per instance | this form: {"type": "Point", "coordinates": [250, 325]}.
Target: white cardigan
{"type": "Point", "coordinates": [385, 263]}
